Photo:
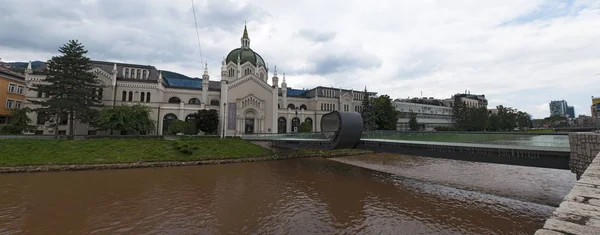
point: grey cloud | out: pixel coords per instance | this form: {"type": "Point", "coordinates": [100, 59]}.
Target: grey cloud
{"type": "Point", "coordinates": [130, 31]}
{"type": "Point", "coordinates": [316, 36]}
{"type": "Point", "coordinates": [345, 61]}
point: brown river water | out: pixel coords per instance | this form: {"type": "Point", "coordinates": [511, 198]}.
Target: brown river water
{"type": "Point", "coordinates": [387, 194]}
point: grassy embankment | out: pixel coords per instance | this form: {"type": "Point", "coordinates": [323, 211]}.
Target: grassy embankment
{"type": "Point", "coordinates": [23, 152]}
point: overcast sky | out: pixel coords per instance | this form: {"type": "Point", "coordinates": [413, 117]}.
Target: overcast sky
{"type": "Point", "coordinates": [519, 53]}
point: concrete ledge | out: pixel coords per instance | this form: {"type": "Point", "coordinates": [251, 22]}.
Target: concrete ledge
{"type": "Point", "coordinates": [579, 213]}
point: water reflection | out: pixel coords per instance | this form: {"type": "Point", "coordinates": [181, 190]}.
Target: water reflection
{"type": "Point", "coordinates": [305, 196]}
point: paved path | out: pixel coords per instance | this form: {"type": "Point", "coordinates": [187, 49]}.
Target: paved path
{"type": "Point", "coordinates": [579, 213]}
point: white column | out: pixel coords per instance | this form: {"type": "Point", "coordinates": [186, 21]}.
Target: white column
{"type": "Point", "coordinates": [181, 107]}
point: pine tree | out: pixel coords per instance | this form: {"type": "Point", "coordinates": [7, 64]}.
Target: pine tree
{"type": "Point", "coordinates": [459, 111]}
{"type": "Point", "coordinates": [367, 113]}
{"type": "Point", "coordinates": [69, 86]}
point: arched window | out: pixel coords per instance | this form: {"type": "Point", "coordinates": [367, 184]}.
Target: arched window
{"type": "Point", "coordinates": [100, 90]}
{"type": "Point", "coordinates": [167, 121]}
{"type": "Point", "coordinates": [295, 124]}
{"type": "Point", "coordinates": [174, 100]}
{"type": "Point", "coordinates": [291, 106]}
{"type": "Point", "coordinates": [142, 96]}
{"type": "Point", "coordinates": [126, 72]}
{"type": "Point", "coordinates": [231, 73]}
{"type": "Point", "coordinates": [303, 107]}
{"type": "Point", "coordinates": [145, 74]}
{"type": "Point", "coordinates": [124, 96]}
{"type": "Point", "coordinates": [194, 101]}
{"type": "Point", "coordinates": [148, 97]}
{"type": "Point", "coordinates": [132, 73]}
{"type": "Point", "coordinates": [139, 74]}
{"type": "Point", "coordinates": [214, 102]}
{"type": "Point", "coordinates": [131, 96]}
{"type": "Point", "coordinates": [281, 125]}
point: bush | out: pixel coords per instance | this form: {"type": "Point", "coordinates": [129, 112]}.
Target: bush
{"type": "Point", "coordinates": [184, 147]}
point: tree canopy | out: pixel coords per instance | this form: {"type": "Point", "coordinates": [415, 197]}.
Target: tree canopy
{"type": "Point", "coordinates": [207, 121]}
{"type": "Point", "coordinates": [367, 113]}
{"type": "Point", "coordinates": [125, 118]}
{"type": "Point", "coordinates": [19, 123]}
{"type": "Point", "coordinates": [386, 116]}
{"type": "Point", "coordinates": [69, 86]}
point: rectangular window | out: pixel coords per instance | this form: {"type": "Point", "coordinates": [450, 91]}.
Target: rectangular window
{"type": "Point", "coordinates": [10, 104]}
{"type": "Point", "coordinates": [18, 104]}
{"type": "Point", "coordinates": [92, 132]}
{"type": "Point", "coordinates": [3, 120]}
{"type": "Point", "coordinates": [63, 132]}
{"type": "Point", "coordinates": [38, 132]}
{"type": "Point", "coordinates": [12, 88]}
{"type": "Point", "coordinates": [39, 94]}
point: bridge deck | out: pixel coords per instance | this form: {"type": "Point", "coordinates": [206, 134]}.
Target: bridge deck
{"type": "Point", "coordinates": [476, 145]}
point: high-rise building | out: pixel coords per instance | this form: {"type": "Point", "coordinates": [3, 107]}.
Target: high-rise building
{"type": "Point", "coordinates": [558, 107]}
{"type": "Point", "coordinates": [571, 111]}
{"type": "Point", "coordinates": [595, 108]}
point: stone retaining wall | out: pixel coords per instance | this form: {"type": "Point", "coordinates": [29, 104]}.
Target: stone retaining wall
{"type": "Point", "coordinates": [584, 148]}
{"type": "Point", "coordinates": [579, 213]}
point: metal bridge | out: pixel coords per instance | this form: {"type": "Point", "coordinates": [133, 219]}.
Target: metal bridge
{"type": "Point", "coordinates": [343, 130]}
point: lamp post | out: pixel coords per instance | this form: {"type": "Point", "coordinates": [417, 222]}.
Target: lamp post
{"type": "Point", "coordinates": [224, 117]}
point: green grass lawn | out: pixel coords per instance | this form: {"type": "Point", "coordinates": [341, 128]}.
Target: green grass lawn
{"type": "Point", "coordinates": [21, 152]}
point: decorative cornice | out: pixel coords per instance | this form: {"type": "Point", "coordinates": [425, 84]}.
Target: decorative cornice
{"type": "Point", "coordinates": [137, 85]}
{"type": "Point", "coordinates": [248, 78]}
{"type": "Point", "coordinates": [182, 92]}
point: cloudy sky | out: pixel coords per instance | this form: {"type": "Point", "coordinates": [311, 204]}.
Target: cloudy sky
{"type": "Point", "coordinates": [519, 53]}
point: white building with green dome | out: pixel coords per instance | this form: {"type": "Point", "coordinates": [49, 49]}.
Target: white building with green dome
{"type": "Point", "coordinates": [247, 100]}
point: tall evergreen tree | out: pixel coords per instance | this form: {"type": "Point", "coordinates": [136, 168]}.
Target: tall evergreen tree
{"type": "Point", "coordinates": [69, 86]}
{"type": "Point", "coordinates": [413, 125]}
{"type": "Point", "coordinates": [367, 113]}
{"type": "Point", "coordinates": [459, 111]}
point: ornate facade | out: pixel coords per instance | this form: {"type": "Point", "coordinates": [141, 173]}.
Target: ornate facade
{"type": "Point", "coordinates": [246, 101]}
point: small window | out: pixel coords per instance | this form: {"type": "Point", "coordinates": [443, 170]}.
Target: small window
{"type": "Point", "coordinates": [38, 132]}
{"type": "Point", "coordinates": [124, 96]}
{"type": "Point", "coordinates": [130, 96]}
{"type": "Point", "coordinates": [20, 90]}
{"type": "Point", "coordinates": [231, 73]}
{"type": "Point", "coordinates": [142, 96]}
{"type": "Point", "coordinates": [144, 74]}
{"type": "Point", "coordinates": [139, 74]}
{"type": "Point", "coordinates": [148, 97]}
{"type": "Point", "coordinates": [12, 88]}
{"type": "Point", "coordinates": [63, 132]}
{"type": "Point", "coordinates": [123, 132]}
{"type": "Point", "coordinates": [39, 94]}
{"type": "Point", "coordinates": [214, 102]}
{"type": "Point", "coordinates": [18, 104]}
{"type": "Point", "coordinates": [92, 132]}
{"type": "Point", "coordinates": [126, 73]}
{"type": "Point", "coordinates": [10, 104]}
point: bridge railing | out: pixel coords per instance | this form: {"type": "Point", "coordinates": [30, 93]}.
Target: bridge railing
{"type": "Point", "coordinates": [544, 140]}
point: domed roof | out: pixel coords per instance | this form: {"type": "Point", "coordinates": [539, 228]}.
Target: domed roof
{"type": "Point", "coordinates": [246, 55]}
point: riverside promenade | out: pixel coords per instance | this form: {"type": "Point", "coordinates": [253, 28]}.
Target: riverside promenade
{"type": "Point", "coordinates": [579, 213]}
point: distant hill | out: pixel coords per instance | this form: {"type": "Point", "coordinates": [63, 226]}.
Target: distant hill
{"type": "Point", "coordinates": [21, 66]}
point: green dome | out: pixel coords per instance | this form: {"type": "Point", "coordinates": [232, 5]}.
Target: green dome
{"type": "Point", "coordinates": [246, 55]}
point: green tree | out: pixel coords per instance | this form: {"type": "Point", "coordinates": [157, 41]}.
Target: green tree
{"type": "Point", "coordinates": [459, 111]}
{"type": "Point", "coordinates": [494, 123]}
{"type": "Point", "coordinates": [386, 116]}
{"type": "Point", "coordinates": [69, 86]}
{"type": "Point", "coordinates": [207, 121]}
{"type": "Point", "coordinates": [476, 119]}
{"type": "Point", "coordinates": [305, 127]}
{"type": "Point", "coordinates": [508, 118]}
{"type": "Point", "coordinates": [412, 122]}
{"type": "Point", "coordinates": [177, 126]}
{"type": "Point", "coordinates": [523, 120]}
{"type": "Point", "coordinates": [19, 123]}
{"type": "Point", "coordinates": [367, 113]}
{"type": "Point", "coordinates": [125, 118]}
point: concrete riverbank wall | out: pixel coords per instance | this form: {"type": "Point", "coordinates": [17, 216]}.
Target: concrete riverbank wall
{"type": "Point", "coordinates": [579, 213]}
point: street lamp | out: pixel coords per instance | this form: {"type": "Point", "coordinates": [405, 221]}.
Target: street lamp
{"type": "Point", "coordinates": [224, 117]}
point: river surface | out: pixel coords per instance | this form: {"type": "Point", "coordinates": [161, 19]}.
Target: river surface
{"type": "Point", "coordinates": [406, 195]}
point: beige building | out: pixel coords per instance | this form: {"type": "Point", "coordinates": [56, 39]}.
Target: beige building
{"type": "Point", "coordinates": [247, 100]}
{"type": "Point", "coordinates": [430, 113]}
